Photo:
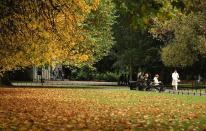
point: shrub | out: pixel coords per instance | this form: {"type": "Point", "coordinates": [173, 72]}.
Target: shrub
{"type": "Point", "coordinates": [85, 73]}
{"type": "Point", "coordinates": [108, 76]}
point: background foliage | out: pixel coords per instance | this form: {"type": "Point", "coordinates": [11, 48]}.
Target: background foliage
{"type": "Point", "coordinates": [153, 36]}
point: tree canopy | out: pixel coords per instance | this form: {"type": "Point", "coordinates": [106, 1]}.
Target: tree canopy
{"type": "Point", "coordinates": [135, 48]}
{"type": "Point", "coordinates": [184, 35]}
{"type": "Point", "coordinates": [188, 44]}
{"type": "Point", "coordinates": [46, 32]}
{"type": "Point", "coordinates": [80, 32]}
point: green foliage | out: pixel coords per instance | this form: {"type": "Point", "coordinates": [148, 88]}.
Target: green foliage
{"type": "Point", "coordinates": [140, 14]}
{"type": "Point", "coordinates": [184, 34]}
{"type": "Point", "coordinates": [188, 44]}
{"type": "Point", "coordinates": [99, 24]}
{"type": "Point", "coordinates": [84, 73]}
{"type": "Point", "coordinates": [108, 76]}
{"type": "Point", "coordinates": [135, 47]}
{"type": "Point", "coordinates": [88, 73]}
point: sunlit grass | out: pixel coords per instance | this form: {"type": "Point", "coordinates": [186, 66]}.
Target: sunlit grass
{"type": "Point", "coordinates": [93, 109]}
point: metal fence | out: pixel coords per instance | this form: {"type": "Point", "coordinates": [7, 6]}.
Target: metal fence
{"type": "Point", "coordinates": [188, 91]}
{"type": "Point", "coordinates": [194, 88]}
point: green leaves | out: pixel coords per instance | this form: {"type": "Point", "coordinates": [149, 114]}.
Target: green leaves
{"type": "Point", "coordinates": [99, 23]}
{"type": "Point", "coordinates": [183, 33]}
{"type": "Point", "coordinates": [188, 43]}
{"type": "Point", "coordinates": [135, 47]}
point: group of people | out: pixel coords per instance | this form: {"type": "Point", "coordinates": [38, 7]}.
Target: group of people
{"type": "Point", "coordinates": [154, 83]}
{"type": "Point", "coordinates": [157, 83]}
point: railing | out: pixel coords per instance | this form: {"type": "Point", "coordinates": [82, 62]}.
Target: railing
{"type": "Point", "coordinates": [190, 87]}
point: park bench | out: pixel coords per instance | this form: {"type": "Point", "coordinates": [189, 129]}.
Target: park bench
{"type": "Point", "coordinates": [143, 86]}
{"type": "Point", "coordinates": [133, 85]}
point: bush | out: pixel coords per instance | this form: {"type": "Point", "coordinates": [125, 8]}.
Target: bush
{"type": "Point", "coordinates": [108, 76]}
{"type": "Point", "coordinates": [85, 73]}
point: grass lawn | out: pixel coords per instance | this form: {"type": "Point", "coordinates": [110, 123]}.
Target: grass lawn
{"type": "Point", "coordinates": [99, 109]}
{"type": "Point", "coordinates": [191, 86]}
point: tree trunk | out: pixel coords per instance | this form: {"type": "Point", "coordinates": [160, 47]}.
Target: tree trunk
{"type": "Point", "coordinates": [0, 81]}
{"type": "Point", "coordinates": [130, 72]}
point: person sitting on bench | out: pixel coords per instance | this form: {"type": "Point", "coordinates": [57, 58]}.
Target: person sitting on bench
{"type": "Point", "coordinates": [158, 84]}
{"type": "Point", "coordinates": [156, 81]}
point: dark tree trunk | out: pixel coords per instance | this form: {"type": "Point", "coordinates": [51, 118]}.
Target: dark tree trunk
{"type": "Point", "coordinates": [130, 72]}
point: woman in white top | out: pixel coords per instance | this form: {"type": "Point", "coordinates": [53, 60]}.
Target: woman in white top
{"type": "Point", "coordinates": [156, 81]}
{"type": "Point", "coordinates": [175, 79]}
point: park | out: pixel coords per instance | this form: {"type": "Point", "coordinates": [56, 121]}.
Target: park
{"type": "Point", "coordinates": [102, 65]}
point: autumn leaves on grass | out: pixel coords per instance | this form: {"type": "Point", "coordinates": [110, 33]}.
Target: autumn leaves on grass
{"type": "Point", "coordinates": [66, 109]}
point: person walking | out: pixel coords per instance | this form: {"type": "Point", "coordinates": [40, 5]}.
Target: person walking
{"type": "Point", "coordinates": [175, 79]}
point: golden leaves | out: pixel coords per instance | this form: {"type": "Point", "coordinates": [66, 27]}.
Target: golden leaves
{"type": "Point", "coordinates": [78, 109]}
{"type": "Point", "coordinates": [95, 4]}
{"type": "Point", "coordinates": [40, 32]}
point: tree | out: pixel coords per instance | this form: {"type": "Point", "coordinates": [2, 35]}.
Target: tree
{"type": "Point", "coordinates": [46, 32]}
{"type": "Point", "coordinates": [188, 44]}
{"type": "Point", "coordinates": [185, 36]}
{"type": "Point", "coordinates": [135, 47]}
{"type": "Point", "coordinates": [99, 30]}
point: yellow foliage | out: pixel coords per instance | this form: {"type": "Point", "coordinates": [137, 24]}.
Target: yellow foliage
{"type": "Point", "coordinates": [37, 35]}
{"type": "Point", "coordinates": [83, 58]}
{"type": "Point", "coordinates": [95, 4]}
